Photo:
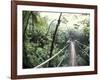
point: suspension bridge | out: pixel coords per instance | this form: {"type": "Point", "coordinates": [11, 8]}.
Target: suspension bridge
{"type": "Point", "coordinates": [73, 55]}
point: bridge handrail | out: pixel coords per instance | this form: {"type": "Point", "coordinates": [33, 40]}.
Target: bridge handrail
{"type": "Point", "coordinates": [51, 57]}
{"type": "Point", "coordinates": [84, 51]}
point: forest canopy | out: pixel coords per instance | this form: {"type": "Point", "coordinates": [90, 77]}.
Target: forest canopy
{"type": "Point", "coordinates": [47, 38]}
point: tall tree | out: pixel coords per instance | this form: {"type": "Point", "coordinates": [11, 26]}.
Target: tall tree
{"type": "Point", "coordinates": [53, 40]}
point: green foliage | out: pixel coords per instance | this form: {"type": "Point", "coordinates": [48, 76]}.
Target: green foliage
{"type": "Point", "coordinates": [38, 36]}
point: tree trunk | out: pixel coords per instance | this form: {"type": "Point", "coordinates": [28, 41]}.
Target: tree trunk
{"type": "Point", "coordinates": [53, 40]}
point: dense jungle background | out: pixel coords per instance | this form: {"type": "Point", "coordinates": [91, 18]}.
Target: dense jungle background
{"type": "Point", "coordinates": [47, 38]}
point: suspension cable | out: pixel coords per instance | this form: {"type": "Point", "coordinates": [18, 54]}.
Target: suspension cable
{"type": "Point", "coordinates": [50, 58]}
{"type": "Point", "coordinates": [62, 59]}
{"type": "Point", "coordinates": [81, 43]}
{"type": "Point", "coordinates": [83, 50]}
